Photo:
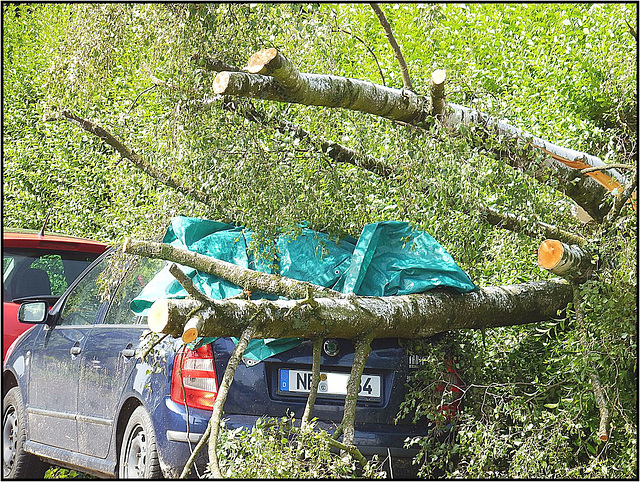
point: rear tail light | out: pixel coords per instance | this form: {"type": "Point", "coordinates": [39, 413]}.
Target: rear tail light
{"type": "Point", "coordinates": [194, 381]}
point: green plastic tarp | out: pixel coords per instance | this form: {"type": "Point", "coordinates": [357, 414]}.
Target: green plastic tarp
{"type": "Point", "coordinates": [389, 258]}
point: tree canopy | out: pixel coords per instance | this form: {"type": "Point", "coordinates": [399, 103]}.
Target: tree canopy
{"type": "Point", "coordinates": [566, 73]}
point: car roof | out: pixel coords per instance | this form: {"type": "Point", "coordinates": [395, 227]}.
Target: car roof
{"type": "Point", "coordinates": [29, 238]}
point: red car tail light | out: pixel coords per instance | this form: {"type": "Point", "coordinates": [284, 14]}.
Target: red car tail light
{"type": "Point", "coordinates": [194, 381]}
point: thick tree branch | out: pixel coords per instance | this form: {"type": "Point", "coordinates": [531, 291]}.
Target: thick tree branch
{"type": "Point", "coordinates": [408, 316]}
{"type": "Point", "coordinates": [530, 227]}
{"type": "Point", "coordinates": [569, 261]}
{"type": "Point", "coordinates": [361, 351]}
{"type": "Point", "coordinates": [406, 80]}
{"type": "Point", "coordinates": [279, 80]}
{"type": "Point", "coordinates": [438, 101]}
{"type": "Point", "coordinates": [142, 164]}
{"type": "Point", "coordinates": [248, 279]}
{"type": "Point", "coordinates": [223, 391]}
{"type": "Point", "coordinates": [342, 154]}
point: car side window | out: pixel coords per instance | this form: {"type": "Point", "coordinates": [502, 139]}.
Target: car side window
{"type": "Point", "coordinates": [84, 304]}
{"type": "Point", "coordinates": [52, 265]}
{"type": "Point", "coordinates": [136, 278]}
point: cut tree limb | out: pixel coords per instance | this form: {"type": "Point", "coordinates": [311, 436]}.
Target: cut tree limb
{"type": "Point", "coordinates": [248, 279]}
{"type": "Point", "coordinates": [407, 316]}
{"type": "Point", "coordinates": [283, 82]}
{"type": "Point", "coordinates": [438, 102]}
{"type": "Point", "coordinates": [343, 154]}
{"type": "Point", "coordinates": [569, 261]}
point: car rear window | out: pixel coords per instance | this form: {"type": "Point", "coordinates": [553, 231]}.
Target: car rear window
{"type": "Point", "coordinates": [29, 272]}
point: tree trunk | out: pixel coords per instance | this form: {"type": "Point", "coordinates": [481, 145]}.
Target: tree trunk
{"type": "Point", "coordinates": [408, 316]}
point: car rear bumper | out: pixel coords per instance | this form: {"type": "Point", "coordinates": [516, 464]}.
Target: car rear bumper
{"type": "Point", "coordinates": [176, 440]}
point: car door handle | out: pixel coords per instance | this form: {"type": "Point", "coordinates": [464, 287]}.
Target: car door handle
{"type": "Point", "coordinates": [128, 352]}
{"type": "Point", "coordinates": [75, 350]}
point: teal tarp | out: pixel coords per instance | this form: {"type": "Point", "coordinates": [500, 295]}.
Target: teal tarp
{"type": "Point", "coordinates": [389, 258]}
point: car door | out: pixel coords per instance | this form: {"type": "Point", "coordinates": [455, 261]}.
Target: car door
{"type": "Point", "coordinates": [53, 390]}
{"type": "Point", "coordinates": [108, 358]}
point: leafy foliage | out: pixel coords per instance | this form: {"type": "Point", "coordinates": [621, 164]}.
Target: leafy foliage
{"type": "Point", "coordinates": [564, 72]}
{"type": "Point", "coordinates": [277, 448]}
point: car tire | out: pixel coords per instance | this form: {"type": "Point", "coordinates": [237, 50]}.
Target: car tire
{"type": "Point", "coordinates": [138, 457]}
{"type": "Point", "coordinates": [16, 463]}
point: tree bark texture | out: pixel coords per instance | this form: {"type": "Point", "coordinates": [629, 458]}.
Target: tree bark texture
{"type": "Point", "coordinates": [361, 352]}
{"type": "Point", "coordinates": [407, 316]}
{"type": "Point", "coordinates": [272, 77]}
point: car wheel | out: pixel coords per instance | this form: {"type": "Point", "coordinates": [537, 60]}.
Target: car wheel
{"type": "Point", "coordinates": [138, 452]}
{"type": "Point", "coordinates": [16, 463]}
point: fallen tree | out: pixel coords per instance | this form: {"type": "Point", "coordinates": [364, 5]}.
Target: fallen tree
{"type": "Point", "coordinates": [271, 76]}
{"type": "Point", "coordinates": [331, 314]}
{"type": "Point", "coordinates": [407, 316]}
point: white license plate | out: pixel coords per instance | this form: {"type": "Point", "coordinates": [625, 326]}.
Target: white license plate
{"type": "Point", "coordinates": [331, 383]}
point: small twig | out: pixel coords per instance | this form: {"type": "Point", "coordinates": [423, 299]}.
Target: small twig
{"type": "Point", "coordinates": [187, 284]}
{"type": "Point", "coordinates": [368, 48]}
{"type": "Point", "coordinates": [351, 449]}
{"type": "Point", "coordinates": [406, 80]}
{"type": "Point", "coordinates": [147, 350]}
{"type": "Point", "coordinates": [196, 451]}
{"type": "Point", "coordinates": [632, 30]}
{"type": "Point", "coordinates": [135, 101]}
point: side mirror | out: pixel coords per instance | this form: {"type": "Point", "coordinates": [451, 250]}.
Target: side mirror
{"type": "Point", "coordinates": [34, 312]}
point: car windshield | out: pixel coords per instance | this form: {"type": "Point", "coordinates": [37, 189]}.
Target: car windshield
{"type": "Point", "coordinates": [31, 272]}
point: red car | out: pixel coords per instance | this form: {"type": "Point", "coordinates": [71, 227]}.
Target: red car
{"type": "Point", "coordinates": [35, 265]}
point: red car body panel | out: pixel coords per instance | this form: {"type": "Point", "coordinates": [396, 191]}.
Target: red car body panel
{"type": "Point", "coordinates": [22, 239]}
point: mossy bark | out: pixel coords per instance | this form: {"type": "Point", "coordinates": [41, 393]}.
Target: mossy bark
{"type": "Point", "coordinates": [362, 350]}
{"type": "Point", "coordinates": [407, 316]}
{"type": "Point", "coordinates": [315, 381]}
